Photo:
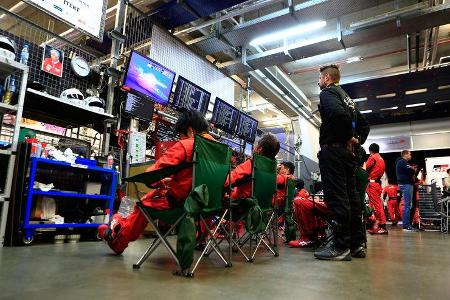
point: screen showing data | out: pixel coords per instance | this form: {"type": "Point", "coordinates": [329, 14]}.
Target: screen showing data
{"type": "Point", "coordinates": [139, 107]}
{"type": "Point", "coordinates": [246, 127]}
{"type": "Point", "coordinates": [190, 96]}
{"type": "Point", "coordinates": [224, 116]}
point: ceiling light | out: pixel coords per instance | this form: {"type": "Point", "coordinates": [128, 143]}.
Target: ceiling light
{"type": "Point", "coordinates": [441, 101]}
{"type": "Point", "coordinates": [386, 96]}
{"type": "Point", "coordinates": [360, 99]}
{"type": "Point", "coordinates": [353, 59]}
{"type": "Point", "coordinates": [291, 32]}
{"type": "Point", "coordinates": [415, 105]}
{"type": "Point", "coordinates": [444, 87]}
{"type": "Point", "coordinates": [389, 108]}
{"type": "Point", "coordinates": [366, 111]}
{"type": "Point", "coordinates": [418, 91]}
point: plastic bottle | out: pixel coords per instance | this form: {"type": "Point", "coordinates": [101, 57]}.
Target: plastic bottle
{"type": "Point", "coordinates": [126, 207]}
{"type": "Point", "coordinates": [110, 161]}
{"type": "Point", "coordinates": [7, 94]}
{"type": "Point", "coordinates": [24, 55]}
{"type": "Point", "coordinates": [12, 90]}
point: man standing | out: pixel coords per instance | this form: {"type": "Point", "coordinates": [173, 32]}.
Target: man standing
{"type": "Point", "coordinates": [343, 129]}
{"type": "Point", "coordinates": [392, 192]}
{"type": "Point", "coordinates": [405, 179]}
{"type": "Point", "coordinates": [375, 167]}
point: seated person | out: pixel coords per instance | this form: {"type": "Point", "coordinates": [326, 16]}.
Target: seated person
{"type": "Point", "coordinates": [286, 170]}
{"type": "Point", "coordinates": [393, 195]}
{"type": "Point", "coordinates": [302, 193]}
{"type": "Point", "coordinates": [241, 182]}
{"type": "Point", "coordinates": [168, 193]}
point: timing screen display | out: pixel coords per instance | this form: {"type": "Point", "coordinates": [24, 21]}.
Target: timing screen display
{"type": "Point", "coordinates": [224, 116]}
{"type": "Point", "coordinates": [190, 96]}
{"type": "Point", "coordinates": [139, 107]}
{"type": "Point", "coordinates": [246, 127]}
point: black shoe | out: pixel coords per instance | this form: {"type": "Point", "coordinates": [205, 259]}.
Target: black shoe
{"type": "Point", "coordinates": [359, 252]}
{"type": "Point", "coordinates": [410, 229]}
{"type": "Point", "coordinates": [333, 253]}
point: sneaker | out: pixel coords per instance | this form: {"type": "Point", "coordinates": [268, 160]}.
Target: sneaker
{"type": "Point", "coordinates": [378, 231]}
{"type": "Point", "coordinates": [301, 243]}
{"type": "Point", "coordinates": [394, 223]}
{"type": "Point", "coordinates": [410, 229]}
{"type": "Point", "coordinates": [333, 253]}
{"type": "Point", "coordinates": [359, 252]}
{"type": "Point", "coordinates": [109, 232]}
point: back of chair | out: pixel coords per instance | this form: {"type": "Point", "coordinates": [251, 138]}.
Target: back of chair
{"type": "Point", "coordinates": [211, 167]}
{"type": "Point", "coordinates": [290, 193]}
{"type": "Point", "coordinates": [264, 180]}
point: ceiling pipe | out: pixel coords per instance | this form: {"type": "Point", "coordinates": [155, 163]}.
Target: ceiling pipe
{"type": "Point", "coordinates": [417, 50]}
{"type": "Point", "coordinates": [408, 50]}
{"type": "Point", "coordinates": [230, 14]}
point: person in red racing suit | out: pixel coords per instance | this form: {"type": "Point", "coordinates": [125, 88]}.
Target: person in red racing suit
{"type": "Point", "coordinates": [286, 171]}
{"type": "Point", "coordinates": [168, 193]}
{"type": "Point", "coordinates": [393, 195]}
{"type": "Point", "coordinates": [241, 182]}
{"type": "Point", "coordinates": [375, 168]}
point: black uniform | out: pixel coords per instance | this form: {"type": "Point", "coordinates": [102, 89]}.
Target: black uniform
{"type": "Point", "coordinates": [340, 122]}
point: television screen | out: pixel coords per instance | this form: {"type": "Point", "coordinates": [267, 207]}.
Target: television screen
{"type": "Point", "coordinates": [139, 107]}
{"type": "Point", "coordinates": [146, 78]}
{"type": "Point", "coordinates": [246, 127]}
{"type": "Point", "coordinates": [224, 116]}
{"type": "Point", "coordinates": [191, 96]}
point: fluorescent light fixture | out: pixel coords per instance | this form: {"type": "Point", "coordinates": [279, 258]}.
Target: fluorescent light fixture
{"type": "Point", "coordinates": [415, 105]}
{"type": "Point", "coordinates": [444, 87]}
{"type": "Point", "coordinates": [418, 91]}
{"type": "Point", "coordinates": [353, 59]}
{"type": "Point", "coordinates": [366, 111]}
{"type": "Point", "coordinates": [386, 96]}
{"type": "Point", "coordinates": [441, 101]}
{"type": "Point", "coordinates": [360, 99]}
{"type": "Point", "coordinates": [389, 108]}
{"type": "Point", "coordinates": [291, 32]}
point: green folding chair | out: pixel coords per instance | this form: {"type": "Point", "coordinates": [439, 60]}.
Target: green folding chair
{"type": "Point", "coordinates": [290, 228]}
{"type": "Point", "coordinates": [211, 164]}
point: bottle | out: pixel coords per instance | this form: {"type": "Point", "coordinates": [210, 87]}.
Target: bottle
{"type": "Point", "coordinates": [126, 206]}
{"type": "Point", "coordinates": [7, 94]}
{"type": "Point", "coordinates": [12, 90]}
{"type": "Point", "coordinates": [24, 55]}
{"type": "Point", "coordinates": [110, 161]}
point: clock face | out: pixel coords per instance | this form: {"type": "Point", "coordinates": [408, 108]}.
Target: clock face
{"type": "Point", "coordinates": [80, 66]}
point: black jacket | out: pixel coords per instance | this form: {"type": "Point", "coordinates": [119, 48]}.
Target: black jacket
{"type": "Point", "coordinates": [341, 120]}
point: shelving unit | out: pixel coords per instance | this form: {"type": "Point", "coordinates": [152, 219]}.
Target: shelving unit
{"type": "Point", "coordinates": [29, 227]}
{"type": "Point", "coordinates": [9, 67]}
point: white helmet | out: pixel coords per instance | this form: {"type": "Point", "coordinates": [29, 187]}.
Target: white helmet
{"type": "Point", "coordinates": [95, 104]}
{"type": "Point", "coordinates": [73, 96]}
{"type": "Point", "coordinates": [7, 47]}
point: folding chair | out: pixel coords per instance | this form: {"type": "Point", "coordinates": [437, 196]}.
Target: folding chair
{"type": "Point", "coordinates": [289, 226]}
{"type": "Point", "coordinates": [264, 185]}
{"type": "Point", "coordinates": [211, 164]}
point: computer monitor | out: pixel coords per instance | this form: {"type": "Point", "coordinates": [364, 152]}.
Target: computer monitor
{"type": "Point", "coordinates": [246, 127]}
{"type": "Point", "coordinates": [188, 95]}
{"type": "Point", "coordinates": [147, 78]}
{"type": "Point", "coordinates": [139, 107]}
{"type": "Point", "coordinates": [224, 116]}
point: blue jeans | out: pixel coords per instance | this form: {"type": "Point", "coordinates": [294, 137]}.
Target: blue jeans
{"type": "Point", "coordinates": [407, 192]}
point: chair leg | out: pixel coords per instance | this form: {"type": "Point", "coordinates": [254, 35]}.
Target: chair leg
{"type": "Point", "coordinates": [265, 235]}
{"type": "Point", "coordinates": [156, 242]}
{"type": "Point", "coordinates": [237, 245]}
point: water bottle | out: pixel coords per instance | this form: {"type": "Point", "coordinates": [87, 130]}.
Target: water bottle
{"type": "Point", "coordinates": [24, 55]}
{"type": "Point", "coordinates": [126, 207]}
{"type": "Point", "coordinates": [110, 161]}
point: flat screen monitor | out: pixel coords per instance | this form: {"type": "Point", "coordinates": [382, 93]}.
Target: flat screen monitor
{"type": "Point", "coordinates": [224, 116]}
{"type": "Point", "coordinates": [139, 107]}
{"type": "Point", "coordinates": [188, 95]}
{"type": "Point", "coordinates": [246, 127]}
{"type": "Point", "coordinates": [147, 78]}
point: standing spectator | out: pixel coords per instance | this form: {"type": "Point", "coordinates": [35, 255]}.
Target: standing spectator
{"type": "Point", "coordinates": [375, 168]}
{"type": "Point", "coordinates": [447, 184]}
{"type": "Point", "coordinates": [405, 179]}
{"type": "Point", "coordinates": [392, 192]}
{"type": "Point", "coordinates": [343, 129]}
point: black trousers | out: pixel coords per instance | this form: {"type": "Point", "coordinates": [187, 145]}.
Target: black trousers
{"type": "Point", "coordinates": [337, 169]}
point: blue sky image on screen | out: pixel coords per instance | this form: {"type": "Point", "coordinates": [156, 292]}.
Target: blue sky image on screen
{"type": "Point", "coordinates": [149, 79]}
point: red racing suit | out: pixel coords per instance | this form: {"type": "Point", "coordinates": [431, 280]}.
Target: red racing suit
{"type": "Point", "coordinates": [392, 191]}
{"type": "Point", "coordinates": [307, 221]}
{"type": "Point", "coordinates": [168, 193]}
{"type": "Point", "coordinates": [375, 168]}
{"type": "Point", "coordinates": [281, 189]}
{"type": "Point", "coordinates": [241, 180]}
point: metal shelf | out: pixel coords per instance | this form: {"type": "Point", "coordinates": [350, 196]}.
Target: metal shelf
{"type": "Point", "coordinates": [6, 152]}
{"type": "Point", "coordinates": [8, 67]}
{"type": "Point", "coordinates": [6, 108]}
{"type": "Point", "coordinates": [65, 225]}
{"type": "Point", "coordinates": [65, 164]}
{"type": "Point", "coordinates": [70, 195]}
{"type": "Point", "coordinates": [50, 109]}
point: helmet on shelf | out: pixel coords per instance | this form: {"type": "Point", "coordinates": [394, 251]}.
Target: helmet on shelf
{"type": "Point", "coordinates": [95, 103]}
{"type": "Point", "coordinates": [7, 47]}
{"type": "Point", "coordinates": [73, 96]}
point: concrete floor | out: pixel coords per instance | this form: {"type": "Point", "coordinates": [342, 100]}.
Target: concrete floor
{"type": "Point", "coordinates": [399, 266]}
